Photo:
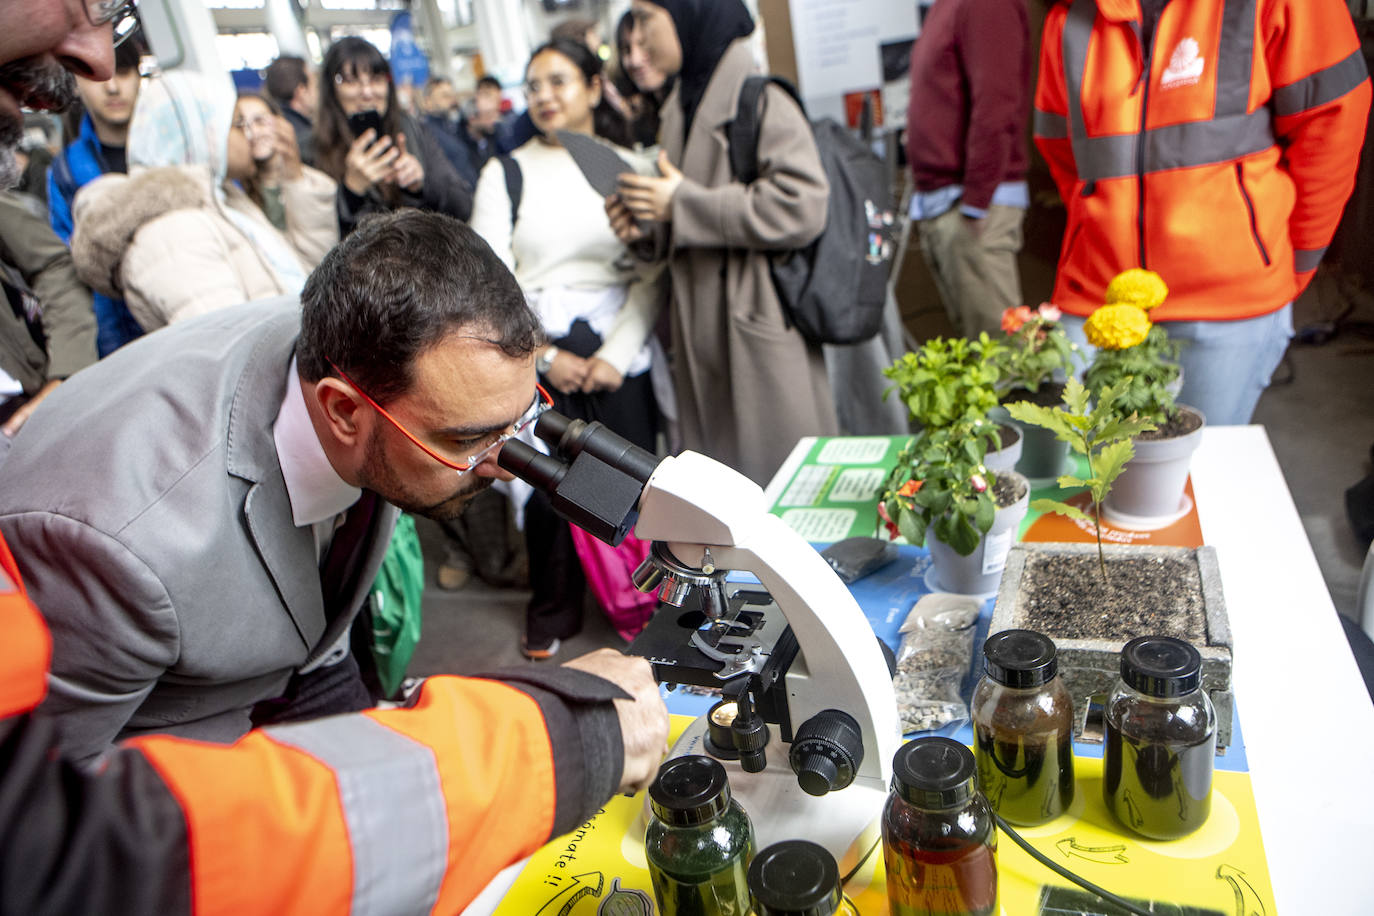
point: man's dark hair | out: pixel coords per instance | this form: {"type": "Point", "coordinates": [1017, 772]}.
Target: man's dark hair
{"type": "Point", "coordinates": [398, 285]}
{"type": "Point", "coordinates": [435, 81]}
{"type": "Point", "coordinates": [283, 77]}
{"type": "Point", "coordinates": [487, 81]}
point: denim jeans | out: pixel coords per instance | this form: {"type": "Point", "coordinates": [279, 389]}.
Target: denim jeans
{"type": "Point", "coordinates": [1226, 364]}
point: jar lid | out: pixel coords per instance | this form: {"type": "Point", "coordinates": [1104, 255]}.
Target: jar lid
{"type": "Point", "coordinates": [1020, 658]}
{"type": "Point", "coordinates": [933, 772]}
{"type": "Point", "coordinates": [794, 878]}
{"type": "Point", "coordinates": [1161, 666]}
{"type": "Point", "coordinates": [689, 791]}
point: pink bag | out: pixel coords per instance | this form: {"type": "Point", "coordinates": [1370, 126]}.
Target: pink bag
{"type": "Point", "coordinates": [608, 572]}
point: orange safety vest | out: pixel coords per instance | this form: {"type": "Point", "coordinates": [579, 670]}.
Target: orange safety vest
{"type": "Point", "coordinates": [1221, 157]}
{"type": "Point", "coordinates": [394, 811]}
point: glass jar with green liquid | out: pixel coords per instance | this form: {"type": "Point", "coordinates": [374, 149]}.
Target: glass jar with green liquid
{"type": "Point", "coordinates": [699, 842]}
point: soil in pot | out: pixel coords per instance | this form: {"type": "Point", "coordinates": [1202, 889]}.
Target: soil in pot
{"type": "Point", "coordinates": [1180, 424]}
{"type": "Point", "coordinates": [1144, 595]}
{"type": "Point", "coordinates": [1043, 455]}
{"type": "Point", "coordinates": [1008, 451]}
{"type": "Point", "coordinates": [1050, 394]}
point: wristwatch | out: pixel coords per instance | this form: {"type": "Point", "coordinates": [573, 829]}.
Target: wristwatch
{"type": "Point", "coordinates": [544, 361]}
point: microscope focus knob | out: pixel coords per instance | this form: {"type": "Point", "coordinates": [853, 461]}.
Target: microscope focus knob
{"type": "Point", "coordinates": [826, 752]}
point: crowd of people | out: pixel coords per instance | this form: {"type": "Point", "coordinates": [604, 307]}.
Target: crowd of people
{"type": "Point", "coordinates": [248, 331]}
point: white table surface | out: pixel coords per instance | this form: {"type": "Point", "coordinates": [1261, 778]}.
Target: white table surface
{"type": "Point", "coordinates": [1306, 717]}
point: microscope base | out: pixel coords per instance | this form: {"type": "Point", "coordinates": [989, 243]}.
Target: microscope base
{"type": "Point", "coordinates": [846, 822]}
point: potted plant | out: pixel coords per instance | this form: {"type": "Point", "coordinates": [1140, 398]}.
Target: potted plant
{"type": "Point", "coordinates": [1136, 358]}
{"type": "Point", "coordinates": [1092, 601]}
{"type": "Point", "coordinates": [940, 492]}
{"type": "Point", "coordinates": [951, 384]}
{"type": "Point", "coordinates": [1035, 359]}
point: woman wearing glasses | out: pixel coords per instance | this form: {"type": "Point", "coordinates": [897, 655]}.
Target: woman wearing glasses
{"type": "Point", "coordinates": [380, 156]}
{"type": "Point", "coordinates": [178, 236]}
{"type": "Point", "coordinates": [597, 311]}
{"type": "Point", "coordinates": [296, 199]}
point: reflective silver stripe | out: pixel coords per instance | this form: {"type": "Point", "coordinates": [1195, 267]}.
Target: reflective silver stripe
{"type": "Point", "coordinates": [394, 807]}
{"type": "Point", "coordinates": [1236, 60]}
{"type": "Point", "coordinates": [1321, 87]}
{"type": "Point", "coordinates": [1049, 126]}
{"type": "Point", "coordinates": [1305, 259]}
{"type": "Point", "coordinates": [1230, 134]}
{"type": "Point", "coordinates": [1078, 29]}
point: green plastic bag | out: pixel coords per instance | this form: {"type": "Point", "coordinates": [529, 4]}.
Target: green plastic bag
{"type": "Point", "coordinates": [395, 605]}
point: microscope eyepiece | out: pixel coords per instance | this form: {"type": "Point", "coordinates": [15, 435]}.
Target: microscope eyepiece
{"type": "Point", "coordinates": [571, 438]}
{"type": "Point", "coordinates": [541, 471]}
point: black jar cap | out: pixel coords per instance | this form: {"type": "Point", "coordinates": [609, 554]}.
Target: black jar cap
{"type": "Point", "coordinates": [1020, 658]}
{"type": "Point", "coordinates": [933, 772]}
{"type": "Point", "coordinates": [794, 878]}
{"type": "Point", "coordinates": [1161, 666]}
{"type": "Point", "coordinates": [689, 791]}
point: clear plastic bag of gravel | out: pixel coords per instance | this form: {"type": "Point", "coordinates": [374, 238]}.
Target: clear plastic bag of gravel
{"type": "Point", "coordinates": [933, 659]}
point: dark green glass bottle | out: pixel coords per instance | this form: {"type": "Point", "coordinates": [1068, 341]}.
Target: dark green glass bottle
{"type": "Point", "coordinates": [699, 842]}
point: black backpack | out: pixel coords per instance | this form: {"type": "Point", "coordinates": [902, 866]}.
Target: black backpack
{"type": "Point", "coordinates": [835, 289]}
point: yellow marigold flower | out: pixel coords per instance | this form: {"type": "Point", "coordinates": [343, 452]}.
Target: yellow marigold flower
{"type": "Point", "coordinates": [1116, 327]}
{"type": "Point", "coordinates": [1143, 288]}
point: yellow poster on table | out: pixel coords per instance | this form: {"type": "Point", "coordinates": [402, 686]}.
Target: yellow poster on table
{"type": "Point", "coordinates": [599, 869]}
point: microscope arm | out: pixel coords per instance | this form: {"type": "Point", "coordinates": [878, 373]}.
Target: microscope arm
{"type": "Point", "coordinates": [694, 504]}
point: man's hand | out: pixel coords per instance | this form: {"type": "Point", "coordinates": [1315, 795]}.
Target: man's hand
{"type": "Point", "coordinates": [622, 221]}
{"type": "Point", "coordinates": [643, 719]}
{"type": "Point", "coordinates": [567, 372]}
{"type": "Point", "coordinates": [20, 416]}
{"type": "Point", "coordinates": [369, 162]}
{"type": "Point", "coordinates": [601, 376]}
{"type": "Point", "coordinates": [651, 198]}
{"type": "Point", "coordinates": [407, 173]}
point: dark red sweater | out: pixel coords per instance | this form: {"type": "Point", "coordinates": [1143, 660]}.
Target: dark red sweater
{"type": "Point", "coordinates": [970, 97]}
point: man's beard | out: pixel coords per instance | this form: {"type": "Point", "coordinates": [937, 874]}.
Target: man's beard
{"type": "Point", "coordinates": [36, 84]}
{"type": "Point", "coordinates": [379, 477]}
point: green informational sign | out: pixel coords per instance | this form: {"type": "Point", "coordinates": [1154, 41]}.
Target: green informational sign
{"type": "Point", "coordinates": [834, 493]}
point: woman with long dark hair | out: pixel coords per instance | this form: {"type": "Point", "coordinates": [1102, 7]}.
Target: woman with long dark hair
{"type": "Point", "coordinates": [643, 86]}
{"type": "Point", "coordinates": [389, 163]}
{"type": "Point", "coordinates": [749, 385]}
{"type": "Point", "coordinates": [598, 308]}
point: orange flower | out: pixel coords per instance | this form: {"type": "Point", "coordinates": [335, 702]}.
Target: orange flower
{"type": "Point", "coordinates": [910, 488]}
{"type": "Point", "coordinates": [1013, 318]}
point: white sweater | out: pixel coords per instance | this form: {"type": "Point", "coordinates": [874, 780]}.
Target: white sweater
{"type": "Point", "coordinates": [563, 241]}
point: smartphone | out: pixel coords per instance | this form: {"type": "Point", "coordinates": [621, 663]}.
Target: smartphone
{"type": "Point", "coordinates": [361, 121]}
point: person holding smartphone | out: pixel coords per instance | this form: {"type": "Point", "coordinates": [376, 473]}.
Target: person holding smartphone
{"type": "Point", "coordinates": [296, 199]}
{"type": "Point", "coordinates": [380, 156]}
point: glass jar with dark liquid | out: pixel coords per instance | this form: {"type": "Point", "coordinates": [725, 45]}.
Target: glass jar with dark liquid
{"type": "Point", "coordinates": [699, 841]}
{"type": "Point", "coordinates": [939, 840]}
{"type": "Point", "coordinates": [1161, 740]}
{"type": "Point", "coordinates": [1023, 729]}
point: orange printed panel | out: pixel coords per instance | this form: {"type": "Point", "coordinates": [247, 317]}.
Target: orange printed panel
{"type": "Point", "coordinates": [1184, 532]}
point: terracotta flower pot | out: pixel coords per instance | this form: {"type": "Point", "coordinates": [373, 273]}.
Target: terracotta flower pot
{"type": "Point", "coordinates": [979, 572]}
{"type": "Point", "coordinates": [1150, 487]}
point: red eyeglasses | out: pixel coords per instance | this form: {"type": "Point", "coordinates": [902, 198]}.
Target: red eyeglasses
{"type": "Point", "coordinates": [542, 402]}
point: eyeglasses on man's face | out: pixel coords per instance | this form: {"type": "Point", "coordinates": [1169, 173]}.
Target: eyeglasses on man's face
{"type": "Point", "coordinates": [477, 450]}
{"type": "Point", "coordinates": [120, 14]}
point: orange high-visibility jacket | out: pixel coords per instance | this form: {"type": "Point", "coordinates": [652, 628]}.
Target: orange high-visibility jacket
{"type": "Point", "coordinates": [398, 811]}
{"type": "Point", "coordinates": [1220, 157]}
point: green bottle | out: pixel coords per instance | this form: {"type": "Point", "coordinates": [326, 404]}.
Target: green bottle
{"type": "Point", "coordinates": [699, 842]}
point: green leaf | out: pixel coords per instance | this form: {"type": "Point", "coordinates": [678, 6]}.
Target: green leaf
{"type": "Point", "coordinates": [983, 514]}
{"type": "Point", "coordinates": [1054, 505]}
{"type": "Point", "coordinates": [964, 538]}
{"type": "Point", "coordinates": [1075, 396]}
{"type": "Point", "coordinates": [1068, 482]}
{"type": "Point", "coordinates": [910, 527]}
{"type": "Point", "coordinates": [1112, 459]}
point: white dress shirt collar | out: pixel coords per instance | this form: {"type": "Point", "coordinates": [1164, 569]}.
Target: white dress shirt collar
{"type": "Point", "coordinates": [316, 490]}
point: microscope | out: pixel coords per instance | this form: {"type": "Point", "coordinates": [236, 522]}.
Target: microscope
{"type": "Point", "coordinates": [807, 725]}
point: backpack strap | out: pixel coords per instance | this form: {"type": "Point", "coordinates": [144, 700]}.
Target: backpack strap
{"type": "Point", "coordinates": [742, 134]}
{"type": "Point", "coordinates": [515, 183]}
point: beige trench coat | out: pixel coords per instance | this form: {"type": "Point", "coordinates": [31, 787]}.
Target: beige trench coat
{"type": "Point", "coordinates": [748, 385]}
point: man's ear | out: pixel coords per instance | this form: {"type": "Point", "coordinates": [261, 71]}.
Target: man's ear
{"type": "Point", "coordinates": [342, 409]}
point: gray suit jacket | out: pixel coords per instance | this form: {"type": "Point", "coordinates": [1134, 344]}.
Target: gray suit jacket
{"type": "Point", "coordinates": [147, 510]}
